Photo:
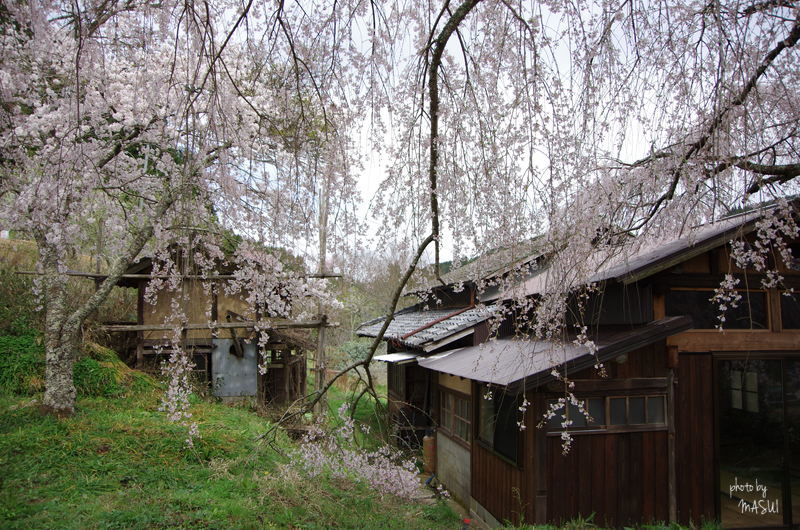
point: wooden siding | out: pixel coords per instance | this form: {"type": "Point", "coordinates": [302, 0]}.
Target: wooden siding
{"type": "Point", "coordinates": [481, 333]}
{"type": "Point", "coordinates": [694, 437]}
{"type": "Point", "coordinates": [498, 486]}
{"type": "Point", "coordinates": [455, 383]}
{"type": "Point", "coordinates": [620, 477]}
{"type": "Point", "coordinates": [649, 361]}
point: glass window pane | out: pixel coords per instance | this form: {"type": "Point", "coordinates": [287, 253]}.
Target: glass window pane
{"type": "Point", "coordinates": [617, 411]}
{"type": "Point", "coordinates": [506, 430]}
{"type": "Point", "coordinates": [463, 408]}
{"type": "Point", "coordinates": [790, 310]}
{"type": "Point", "coordinates": [597, 410]}
{"type": "Point", "coordinates": [486, 418]}
{"type": "Point", "coordinates": [655, 409]}
{"type": "Point", "coordinates": [554, 423]}
{"type": "Point", "coordinates": [636, 410]}
{"type": "Point", "coordinates": [751, 311]}
{"type": "Point", "coordinates": [577, 417]}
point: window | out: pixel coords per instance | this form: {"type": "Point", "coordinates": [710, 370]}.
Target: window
{"type": "Point", "coordinates": [751, 312]}
{"type": "Point", "coordinates": [790, 310]}
{"type": "Point", "coordinates": [498, 418]}
{"type": "Point", "coordinates": [397, 379]}
{"type": "Point", "coordinates": [455, 415]}
{"type": "Point", "coordinates": [613, 413]}
{"type": "Point", "coordinates": [744, 390]}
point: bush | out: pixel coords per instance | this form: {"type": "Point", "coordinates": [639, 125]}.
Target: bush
{"type": "Point", "coordinates": [98, 371]}
{"type": "Point", "coordinates": [18, 312]}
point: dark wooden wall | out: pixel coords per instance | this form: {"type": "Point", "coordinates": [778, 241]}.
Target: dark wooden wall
{"type": "Point", "coordinates": [694, 439]}
{"type": "Point", "coordinates": [648, 361]}
{"type": "Point", "coordinates": [621, 478]}
{"type": "Point", "coordinates": [499, 486]}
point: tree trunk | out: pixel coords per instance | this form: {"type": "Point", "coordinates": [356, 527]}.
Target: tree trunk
{"type": "Point", "coordinates": [61, 341]}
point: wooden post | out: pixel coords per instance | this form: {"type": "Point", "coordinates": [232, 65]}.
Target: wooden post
{"type": "Point", "coordinates": [671, 475]}
{"type": "Point", "coordinates": [319, 366]}
{"type": "Point", "coordinates": [319, 380]}
{"type": "Point", "coordinates": [140, 321]}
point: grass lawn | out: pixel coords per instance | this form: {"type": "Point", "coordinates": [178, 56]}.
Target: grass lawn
{"type": "Point", "coordinates": [118, 463]}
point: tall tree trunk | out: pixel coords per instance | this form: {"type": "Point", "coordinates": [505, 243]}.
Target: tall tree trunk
{"type": "Point", "coordinates": [61, 340]}
{"type": "Point", "coordinates": [63, 327]}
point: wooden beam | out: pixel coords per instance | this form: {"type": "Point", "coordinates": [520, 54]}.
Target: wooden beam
{"type": "Point", "coordinates": [265, 325]}
{"type": "Point", "coordinates": [707, 340]}
{"type": "Point", "coordinates": [672, 501]}
{"type": "Point", "coordinates": [98, 276]}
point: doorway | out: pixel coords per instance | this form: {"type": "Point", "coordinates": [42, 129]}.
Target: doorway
{"type": "Point", "coordinates": [758, 403]}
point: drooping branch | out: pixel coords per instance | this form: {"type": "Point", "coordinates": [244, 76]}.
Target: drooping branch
{"type": "Point", "coordinates": [775, 174]}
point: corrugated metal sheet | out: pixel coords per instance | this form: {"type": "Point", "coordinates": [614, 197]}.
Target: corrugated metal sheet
{"type": "Point", "coordinates": [503, 361]}
{"type": "Point", "coordinates": [430, 326]}
{"type": "Point", "coordinates": [508, 361]}
{"type": "Point", "coordinates": [491, 265]}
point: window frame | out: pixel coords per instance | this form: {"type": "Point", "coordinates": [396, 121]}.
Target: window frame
{"type": "Point", "coordinates": [607, 427]}
{"type": "Point", "coordinates": [490, 445]}
{"type": "Point", "coordinates": [449, 427]}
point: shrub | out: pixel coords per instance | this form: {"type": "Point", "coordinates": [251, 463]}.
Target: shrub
{"type": "Point", "coordinates": [98, 371]}
{"type": "Point", "coordinates": [21, 364]}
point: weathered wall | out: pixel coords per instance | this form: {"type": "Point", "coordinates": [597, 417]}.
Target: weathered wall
{"type": "Point", "coordinates": [453, 467]}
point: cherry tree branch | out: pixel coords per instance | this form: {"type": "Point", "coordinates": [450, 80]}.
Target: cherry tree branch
{"type": "Point", "coordinates": [439, 45]}
{"type": "Point", "coordinates": [698, 145]}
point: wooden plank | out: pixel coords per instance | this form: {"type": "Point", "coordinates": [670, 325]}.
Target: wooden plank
{"type": "Point", "coordinates": [706, 413]}
{"type": "Point", "coordinates": [586, 485]}
{"type": "Point", "coordinates": [599, 484]}
{"type": "Point", "coordinates": [636, 440]}
{"type": "Point", "coordinates": [660, 476]}
{"type": "Point", "coordinates": [648, 487]}
{"type": "Point", "coordinates": [265, 324]}
{"type": "Point", "coordinates": [624, 485]}
{"type": "Point", "coordinates": [734, 340]}
{"type": "Point", "coordinates": [598, 385]}
{"type": "Point", "coordinates": [671, 452]}
{"type": "Point", "coordinates": [608, 515]}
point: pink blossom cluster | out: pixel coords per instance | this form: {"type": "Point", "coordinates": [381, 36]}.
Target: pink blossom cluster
{"type": "Point", "coordinates": [337, 453]}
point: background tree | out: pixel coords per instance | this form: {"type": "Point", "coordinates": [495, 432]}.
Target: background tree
{"type": "Point", "coordinates": [150, 116]}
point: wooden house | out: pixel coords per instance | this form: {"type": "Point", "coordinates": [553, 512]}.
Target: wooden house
{"type": "Point", "coordinates": [220, 334]}
{"type": "Point", "coordinates": [691, 423]}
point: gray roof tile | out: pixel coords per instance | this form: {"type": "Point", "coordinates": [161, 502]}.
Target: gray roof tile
{"type": "Point", "coordinates": [438, 324]}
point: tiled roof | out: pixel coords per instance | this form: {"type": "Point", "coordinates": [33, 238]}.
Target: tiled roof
{"type": "Point", "coordinates": [416, 327]}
